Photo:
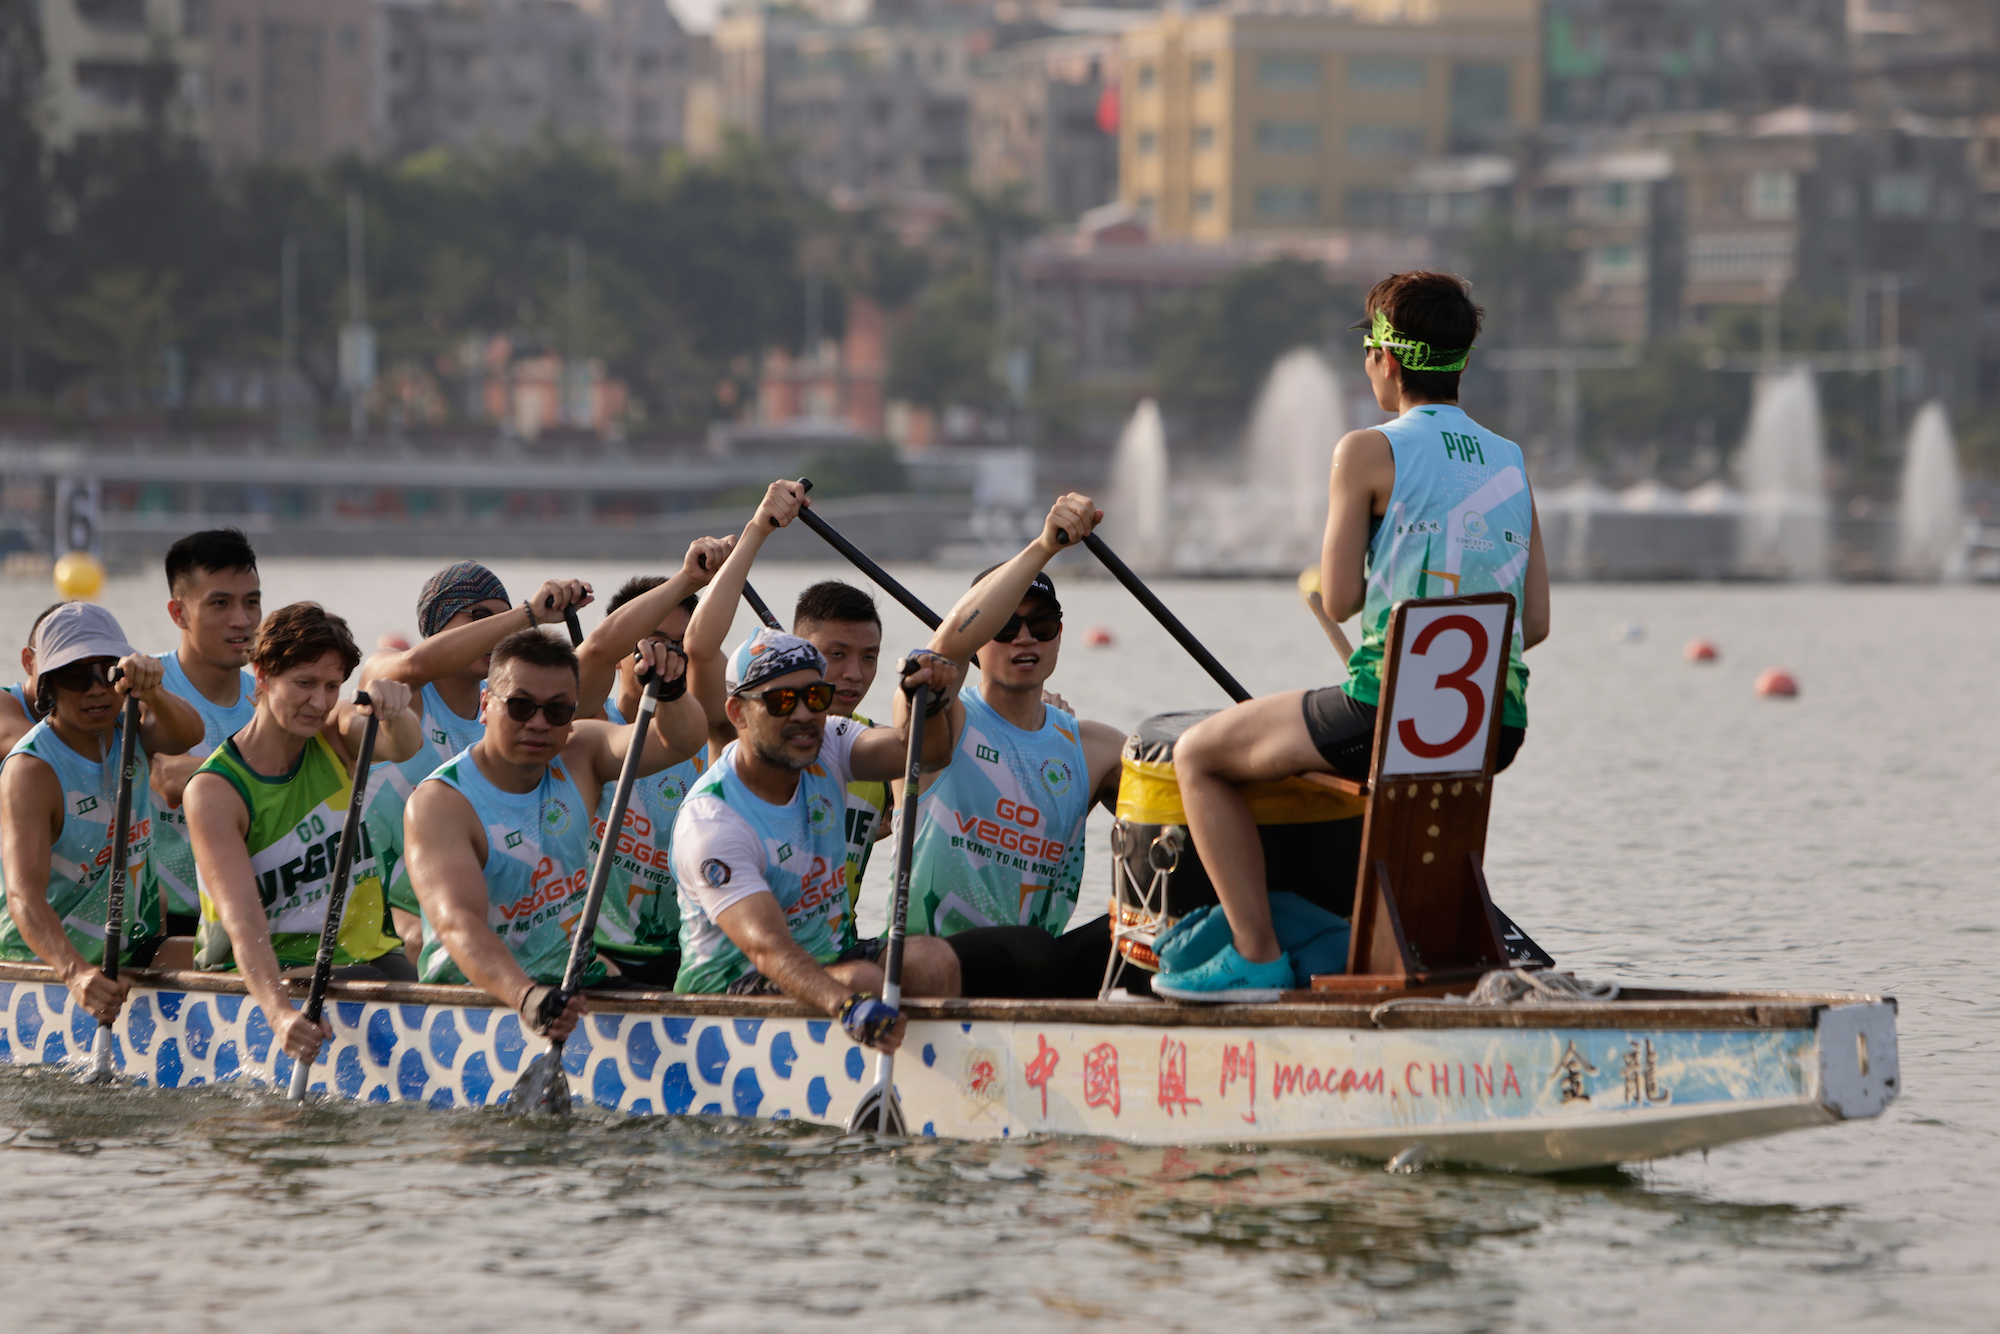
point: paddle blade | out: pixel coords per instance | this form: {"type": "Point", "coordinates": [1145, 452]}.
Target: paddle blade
{"type": "Point", "coordinates": [100, 1071]}
{"type": "Point", "coordinates": [879, 1112]}
{"type": "Point", "coordinates": [544, 1089]}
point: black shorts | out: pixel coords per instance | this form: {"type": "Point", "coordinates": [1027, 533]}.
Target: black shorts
{"type": "Point", "coordinates": [654, 972]}
{"type": "Point", "coordinates": [1027, 963]}
{"type": "Point", "coordinates": [1342, 729]}
{"type": "Point", "coordinates": [754, 983]}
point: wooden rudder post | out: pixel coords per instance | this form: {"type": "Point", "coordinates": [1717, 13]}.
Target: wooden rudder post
{"type": "Point", "coordinates": [1422, 914]}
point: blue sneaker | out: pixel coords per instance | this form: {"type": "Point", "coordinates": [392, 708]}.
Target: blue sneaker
{"type": "Point", "coordinates": [1227, 976]}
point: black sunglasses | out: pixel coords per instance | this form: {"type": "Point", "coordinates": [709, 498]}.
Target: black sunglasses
{"type": "Point", "coordinates": [779, 701]}
{"type": "Point", "coordinates": [1043, 627]}
{"type": "Point", "coordinates": [557, 711]}
{"type": "Point", "coordinates": [80, 676]}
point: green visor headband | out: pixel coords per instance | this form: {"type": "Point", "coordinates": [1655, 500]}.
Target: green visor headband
{"type": "Point", "coordinates": [1413, 354]}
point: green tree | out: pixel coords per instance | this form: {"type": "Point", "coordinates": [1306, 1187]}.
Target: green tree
{"type": "Point", "coordinates": [943, 354]}
{"type": "Point", "coordinates": [24, 192]}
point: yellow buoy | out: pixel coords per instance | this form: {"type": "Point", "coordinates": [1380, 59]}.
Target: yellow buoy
{"type": "Point", "coordinates": [79, 575]}
{"type": "Point", "coordinates": [1309, 580]}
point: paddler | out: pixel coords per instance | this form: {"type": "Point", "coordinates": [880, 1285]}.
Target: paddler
{"type": "Point", "coordinates": [462, 612]}
{"type": "Point", "coordinates": [266, 811]}
{"type": "Point", "coordinates": [1431, 504]}
{"type": "Point", "coordinates": [639, 926]}
{"type": "Point", "coordinates": [760, 848]}
{"type": "Point", "coordinates": [58, 799]}
{"type": "Point", "coordinates": [839, 620]}
{"type": "Point", "coordinates": [1000, 849]}
{"type": "Point", "coordinates": [498, 839]}
{"type": "Point", "coordinates": [18, 713]}
{"type": "Point", "coordinates": [216, 599]}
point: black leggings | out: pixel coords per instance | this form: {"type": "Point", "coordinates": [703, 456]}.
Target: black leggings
{"type": "Point", "coordinates": [1343, 731]}
{"type": "Point", "coordinates": [1027, 963]}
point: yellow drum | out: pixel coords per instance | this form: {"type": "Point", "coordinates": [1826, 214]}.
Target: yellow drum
{"type": "Point", "coordinates": [1311, 837]}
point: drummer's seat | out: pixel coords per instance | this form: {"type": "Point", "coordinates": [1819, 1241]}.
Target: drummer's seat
{"type": "Point", "coordinates": [1422, 915]}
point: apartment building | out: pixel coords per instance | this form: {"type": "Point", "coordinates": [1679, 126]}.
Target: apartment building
{"type": "Point", "coordinates": [104, 59]}
{"type": "Point", "coordinates": [1242, 119]}
{"type": "Point", "coordinates": [288, 80]}
{"type": "Point", "coordinates": [1044, 118]}
{"type": "Point", "coordinates": [462, 73]}
{"type": "Point", "coordinates": [862, 110]}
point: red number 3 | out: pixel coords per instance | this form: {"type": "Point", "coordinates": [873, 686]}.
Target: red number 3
{"type": "Point", "coordinates": [1459, 680]}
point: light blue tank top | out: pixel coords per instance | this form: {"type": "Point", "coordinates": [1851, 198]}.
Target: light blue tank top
{"type": "Point", "coordinates": [80, 862]}
{"type": "Point", "coordinates": [446, 737]}
{"type": "Point", "coordinates": [537, 869]}
{"type": "Point", "coordinates": [805, 865]}
{"type": "Point", "coordinates": [641, 915]}
{"type": "Point", "coordinates": [1000, 833]}
{"type": "Point", "coordinates": [1459, 521]}
{"type": "Point", "coordinates": [171, 866]}
{"type": "Point", "coordinates": [19, 690]}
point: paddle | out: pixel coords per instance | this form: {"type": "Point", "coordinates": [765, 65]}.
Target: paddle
{"type": "Point", "coordinates": [569, 619]}
{"type": "Point", "coordinates": [759, 606]}
{"type": "Point", "coordinates": [114, 906]}
{"type": "Point", "coordinates": [544, 1087]}
{"type": "Point", "coordinates": [1172, 623]}
{"type": "Point", "coordinates": [879, 1112]}
{"type": "Point", "coordinates": [911, 602]}
{"type": "Point", "coordinates": [336, 897]}
{"type": "Point", "coordinates": [1309, 590]}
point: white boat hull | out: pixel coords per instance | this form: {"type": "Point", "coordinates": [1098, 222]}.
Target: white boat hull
{"type": "Point", "coordinates": [1528, 1089]}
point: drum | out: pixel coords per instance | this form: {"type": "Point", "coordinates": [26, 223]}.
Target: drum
{"type": "Point", "coordinates": [1311, 837]}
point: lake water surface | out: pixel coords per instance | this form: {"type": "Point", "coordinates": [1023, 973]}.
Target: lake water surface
{"type": "Point", "coordinates": [1662, 825]}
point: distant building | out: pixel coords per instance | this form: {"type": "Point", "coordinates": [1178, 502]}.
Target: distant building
{"type": "Point", "coordinates": [103, 60]}
{"type": "Point", "coordinates": [1089, 286]}
{"type": "Point", "coordinates": [1045, 117]}
{"type": "Point", "coordinates": [838, 381]}
{"type": "Point", "coordinates": [1250, 120]}
{"type": "Point", "coordinates": [871, 110]}
{"type": "Point", "coordinates": [289, 80]}
{"type": "Point", "coordinates": [462, 73]}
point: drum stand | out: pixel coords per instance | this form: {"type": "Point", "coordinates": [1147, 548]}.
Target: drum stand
{"type": "Point", "coordinates": [1139, 913]}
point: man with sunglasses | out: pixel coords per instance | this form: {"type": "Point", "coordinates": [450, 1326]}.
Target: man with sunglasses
{"type": "Point", "coordinates": [498, 839]}
{"type": "Point", "coordinates": [760, 847]}
{"type": "Point", "coordinates": [462, 612]}
{"type": "Point", "coordinates": [1000, 834]}
{"type": "Point", "coordinates": [59, 797]}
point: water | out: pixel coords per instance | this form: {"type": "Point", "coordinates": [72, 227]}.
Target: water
{"type": "Point", "coordinates": [1783, 462]}
{"type": "Point", "coordinates": [1661, 824]}
{"type": "Point", "coordinates": [1930, 511]}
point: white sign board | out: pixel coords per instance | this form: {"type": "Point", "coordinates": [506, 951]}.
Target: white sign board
{"type": "Point", "coordinates": [1449, 662]}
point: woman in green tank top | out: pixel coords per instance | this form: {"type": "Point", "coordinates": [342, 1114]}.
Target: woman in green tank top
{"type": "Point", "coordinates": [265, 813]}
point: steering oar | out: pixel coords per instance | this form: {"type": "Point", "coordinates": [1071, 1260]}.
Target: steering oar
{"type": "Point", "coordinates": [336, 897]}
{"type": "Point", "coordinates": [114, 902]}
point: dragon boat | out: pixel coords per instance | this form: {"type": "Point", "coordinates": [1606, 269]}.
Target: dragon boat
{"type": "Point", "coordinates": [1402, 1056]}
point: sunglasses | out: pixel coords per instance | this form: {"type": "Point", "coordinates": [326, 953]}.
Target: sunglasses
{"type": "Point", "coordinates": [558, 711]}
{"type": "Point", "coordinates": [779, 701]}
{"type": "Point", "coordinates": [1043, 627]}
{"type": "Point", "coordinates": [80, 676]}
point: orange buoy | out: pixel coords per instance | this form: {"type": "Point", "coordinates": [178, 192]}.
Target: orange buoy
{"type": "Point", "coordinates": [394, 641]}
{"type": "Point", "coordinates": [1777, 683]}
{"type": "Point", "coordinates": [1700, 650]}
{"type": "Point", "coordinates": [1097, 637]}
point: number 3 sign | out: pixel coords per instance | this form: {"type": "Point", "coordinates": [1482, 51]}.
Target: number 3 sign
{"type": "Point", "coordinates": [1440, 701]}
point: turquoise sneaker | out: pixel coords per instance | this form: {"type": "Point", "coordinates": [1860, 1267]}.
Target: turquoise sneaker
{"type": "Point", "coordinates": [1227, 976]}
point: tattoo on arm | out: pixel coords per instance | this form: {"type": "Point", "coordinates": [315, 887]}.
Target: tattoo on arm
{"type": "Point", "coordinates": [970, 617]}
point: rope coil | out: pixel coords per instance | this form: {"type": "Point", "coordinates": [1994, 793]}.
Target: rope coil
{"type": "Point", "coordinates": [1515, 986]}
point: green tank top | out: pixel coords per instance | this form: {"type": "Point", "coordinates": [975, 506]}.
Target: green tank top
{"type": "Point", "coordinates": [294, 838]}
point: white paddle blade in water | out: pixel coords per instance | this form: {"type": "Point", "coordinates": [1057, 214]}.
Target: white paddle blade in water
{"type": "Point", "coordinates": [880, 1112]}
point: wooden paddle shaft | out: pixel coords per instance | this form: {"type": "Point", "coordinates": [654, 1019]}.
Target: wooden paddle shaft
{"type": "Point", "coordinates": [600, 874]}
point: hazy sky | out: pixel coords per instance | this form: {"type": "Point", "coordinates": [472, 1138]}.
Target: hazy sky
{"type": "Point", "coordinates": [697, 15]}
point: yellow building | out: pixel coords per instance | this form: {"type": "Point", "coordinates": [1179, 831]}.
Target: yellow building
{"type": "Point", "coordinates": [1240, 120]}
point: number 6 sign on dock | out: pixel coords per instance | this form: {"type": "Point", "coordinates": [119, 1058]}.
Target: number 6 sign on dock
{"type": "Point", "coordinates": [1448, 658]}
